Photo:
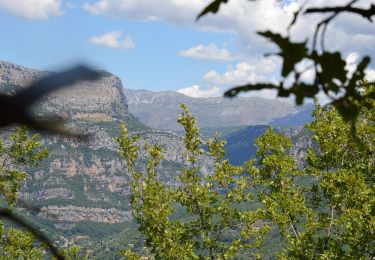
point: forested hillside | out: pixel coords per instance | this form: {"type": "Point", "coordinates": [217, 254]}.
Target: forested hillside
{"type": "Point", "coordinates": [257, 192]}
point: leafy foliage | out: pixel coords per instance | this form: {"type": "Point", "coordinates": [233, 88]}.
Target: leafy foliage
{"type": "Point", "coordinates": [22, 151]}
{"type": "Point", "coordinates": [16, 154]}
{"type": "Point", "coordinates": [325, 210]}
{"type": "Point", "coordinates": [74, 253]}
{"type": "Point", "coordinates": [209, 202]}
{"type": "Point", "coordinates": [17, 244]}
{"type": "Point", "coordinates": [333, 216]}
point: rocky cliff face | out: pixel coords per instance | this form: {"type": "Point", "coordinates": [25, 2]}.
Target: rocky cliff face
{"type": "Point", "coordinates": [94, 101]}
{"type": "Point", "coordinates": [160, 109]}
{"type": "Point", "coordinates": [87, 181]}
{"type": "Point", "coordinates": [12, 74]}
{"type": "Point", "coordinates": [77, 214]}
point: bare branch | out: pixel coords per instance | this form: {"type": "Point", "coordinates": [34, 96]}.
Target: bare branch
{"type": "Point", "coordinates": [365, 13]}
{"type": "Point", "coordinates": [329, 232]}
{"type": "Point", "coordinates": [326, 21]}
{"type": "Point", "coordinates": [293, 226]}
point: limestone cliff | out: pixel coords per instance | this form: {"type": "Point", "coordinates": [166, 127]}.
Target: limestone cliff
{"type": "Point", "coordinates": [86, 181]}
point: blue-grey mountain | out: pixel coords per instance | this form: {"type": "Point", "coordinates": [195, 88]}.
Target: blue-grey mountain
{"type": "Point", "coordinates": [160, 110]}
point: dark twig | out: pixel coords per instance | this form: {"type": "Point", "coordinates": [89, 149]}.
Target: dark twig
{"type": "Point", "coordinates": [324, 23]}
{"type": "Point", "coordinates": [365, 13]}
{"type": "Point", "coordinates": [296, 15]}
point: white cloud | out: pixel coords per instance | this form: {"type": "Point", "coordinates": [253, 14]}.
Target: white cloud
{"type": "Point", "coordinates": [264, 93]}
{"type": "Point", "coordinates": [196, 92]}
{"type": "Point", "coordinates": [235, 17]}
{"type": "Point", "coordinates": [32, 9]}
{"type": "Point", "coordinates": [244, 72]}
{"type": "Point", "coordinates": [245, 18]}
{"type": "Point", "coordinates": [370, 75]}
{"type": "Point", "coordinates": [352, 61]}
{"type": "Point", "coordinates": [251, 71]}
{"type": "Point", "coordinates": [177, 12]}
{"type": "Point", "coordinates": [113, 40]}
{"type": "Point", "coordinates": [209, 52]}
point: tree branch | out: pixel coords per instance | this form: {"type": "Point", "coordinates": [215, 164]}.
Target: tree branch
{"type": "Point", "coordinates": [326, 21]}
{"type": "Point", "coordinates": [365, 13]}
{"type": "Point", "coordinates": [329, 232]}
{"type": "Point", "coordinates": [294, 227]}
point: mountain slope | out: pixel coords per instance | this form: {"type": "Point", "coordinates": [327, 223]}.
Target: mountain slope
{"type": "Point", "coordinates": [85, 184]}
{"type": "Point", "coordinates": [300, 118]}
{"type": "Point", "coordinates": [160, 109]}
{"type": "Point", "coordinates": [240, 145]}
{"type": "Point", "coordinates": [83, 187]}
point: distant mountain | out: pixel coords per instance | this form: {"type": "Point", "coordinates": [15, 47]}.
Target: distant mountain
{"type": "Point", "coordinates": [161, 109]}
{"type": "Point", "coordinates": [300, 118]}
{"type": "Point", "coordinates": [209, 132]}
{"type": "Point", "coordinates": [82, 185]}
{"type": "Point", "coordinates": [240, 145]}
{"type": "Point", "coordinates": [86, 178]}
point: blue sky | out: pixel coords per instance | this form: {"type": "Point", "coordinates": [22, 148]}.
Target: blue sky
{"type": "Point", "coordinates": [153, 63]}
{"type": "Point", "coordinates": [157, 45]}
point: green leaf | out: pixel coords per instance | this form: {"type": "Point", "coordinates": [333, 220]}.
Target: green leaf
{"type": "Point", "coordinates": [292, 53]}
{"type": "Point", "coordinates": [332, 67]}
{"type": "Point", "coordinates": [211, 8]}
{"type": "Point", "coordinates": [302, 90]}
{"type": "Point", "coordinates": [358, 75]}
{"type": "Point", "coordinates": [348, 109]}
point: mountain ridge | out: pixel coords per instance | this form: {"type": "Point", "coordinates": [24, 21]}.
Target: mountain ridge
{"type": "Point", "coordinates": [82, 186]}
{"type": "Point", "coordinates": [160, 109]}
{"type": "Point", "coordinates": [86, 183]}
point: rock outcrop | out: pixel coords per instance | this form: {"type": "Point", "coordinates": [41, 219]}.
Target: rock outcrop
{"type": "Point", "coordinates": [77, 214]}
{"type": "Point", "coordinates": [87, 180]}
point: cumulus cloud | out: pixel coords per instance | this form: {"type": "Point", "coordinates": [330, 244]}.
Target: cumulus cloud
{"type": "Point", "coordinates": [32, 9]}
{"type": "Point", "coordinates": [264, 93]}
{"type": "Point", "coordinates": [352, 61]}
{"type": "Point", "coordinates": [370, 75]}
{"type": "Point", "coordinates": [196, 92]}
{"type": "Point", "coordinates": [244, 18]}
{"type": "Point", "coordinates": [234, 17]}
{"type": "Point", "coordinates": [113, 40]}
{"type": "Point", "coordinates": [172, 11]}
{"type": "Point", "coordinates": [244, 72]}
{"type": "Point", "coordinates": [209, 52]}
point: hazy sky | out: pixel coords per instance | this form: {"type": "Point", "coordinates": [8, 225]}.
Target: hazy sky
{"type": "Point", "coordinates": [158, 45]}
